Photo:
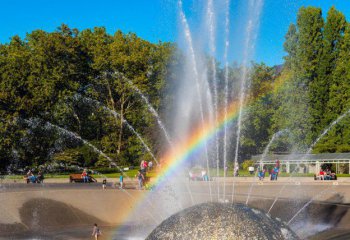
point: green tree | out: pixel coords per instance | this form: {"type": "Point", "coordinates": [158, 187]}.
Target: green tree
{"type": "Point", "coordinates": [290, 46]}
{"type": "Point", "coordinates": [303, 72]}
{"type": "Point", "coordinates": [257, 120]}
{"type": "Point", "coordinates": [319, 87]}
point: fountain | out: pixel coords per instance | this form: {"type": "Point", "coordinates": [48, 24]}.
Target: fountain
{"type": "Point", "coordinates": [206, 120]}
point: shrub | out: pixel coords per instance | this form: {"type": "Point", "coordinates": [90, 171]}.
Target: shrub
{"type": "Point", "coordinates": [247, 163]}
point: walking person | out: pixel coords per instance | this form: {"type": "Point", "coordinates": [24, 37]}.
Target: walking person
{"type": "Point", "coordinates": [104, 184]}
{"type": "Point", "coordinates": [121, 181]}
{"type": "Point", "coordinates": [96, 232]}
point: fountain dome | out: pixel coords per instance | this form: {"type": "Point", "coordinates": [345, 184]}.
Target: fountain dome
{"type": "Point", "coordinates": [221, 221]}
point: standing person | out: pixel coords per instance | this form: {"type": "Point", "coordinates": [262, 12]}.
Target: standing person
{"type": "Point", "coordinates": [277, 163]}
{"type": "Point", "coordinates": [142, 165]}
{"type": "Point", "coordinates": [140, 179]}
{"type": "Point", "coordinates": [236, 173]}
{"type": "Point", "coordinates": [203, 173]}
{"type": "Point", "coordinates": [277, 168]}
{"type": "Point", "coordinates": [104, 184]}
{"type": "Point", "coordinates": [85, 176]}
{"type": "Point", "coordinates": [121, 181]}
{"type": "Point", "coordinates": [150, 165]}
{"type": "Point", "coordinates": [40, 177]}
{"type": "Point", "coordinates": [96, 232]}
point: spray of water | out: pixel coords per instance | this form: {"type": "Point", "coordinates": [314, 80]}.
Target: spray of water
{"type": "Point", "coordinates": [227, 44]}
{"type": "Point", "coordinates": [196, 77]}
{"type": "Point", "coordinates": [255, 7]}
{"type": "Point", "coordinates": [117, 115]}
{"type": "Point", "coordinates": [308, 203]}
{"type": "Point", "coordinates": [308, 152]}
{"type": "Point", "coordinates": [211, 26]}
{"type": "Point", "coordinates": [149, 106]}
{"type": "Point", "coordinates": [73, 135]}
{"type": "Point", "coordinates": [267, 148]}
{"type": "Point", "coordinates": [327, 130]}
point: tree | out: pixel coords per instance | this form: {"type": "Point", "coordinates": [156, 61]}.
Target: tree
{"type": "Point", "coordinates": [319, 87]}
{"type": "Point", "coordinates": [339, 97]}
{"type": "Point", "coordinates": [257, 120]}
{"type": "Point", "coordinates": [290, 46]}
{"type": "Point", "coordinates": [303, 45]}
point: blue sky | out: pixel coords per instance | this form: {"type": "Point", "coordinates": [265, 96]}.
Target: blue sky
{"type": "Point", "coordinates": [157, 20]}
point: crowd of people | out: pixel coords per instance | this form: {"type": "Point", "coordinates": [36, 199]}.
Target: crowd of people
{"type": "Point", "coordinates": [325, 174]}
{"type": "Point", "coordinates": [31, 178]}
{"type": "Point", "coordinates": [196, 177]}
{"type": "Point", "coordinates": [273, 172]}
{"type": "Point", "coordinates": [141, 174]}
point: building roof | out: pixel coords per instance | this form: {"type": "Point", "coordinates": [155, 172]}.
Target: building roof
{"type": "Point", "coordinates": [304, 157]}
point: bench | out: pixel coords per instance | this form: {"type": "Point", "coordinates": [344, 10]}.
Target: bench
{"type": "Point", "coordinates": [78, 178]}
{"type": "Point", "coordinates": [325, 177]}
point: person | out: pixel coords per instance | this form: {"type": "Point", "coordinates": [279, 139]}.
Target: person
{"type": "Point", "coordinates": [328, 174]}
{"type": "Point", "coordinates": [140, 179]}
{"type": "Point", "coordinates": [104, 184]}
{"type": "Point", "coordinates": [31, 177]}
{"type": "Point", "coordinates": [142, 165]}
{"type": "Point", "coordinates": [262, 174]}
{"type": "Point", "coordinates": [145, 165]}
{"type": "Point", "coordinates": [203, 175]}
{"type": "Point", "coordinates": [150, 165]}
{"type": "Point", "coordinates": [121, 181]}
{"type": "Point", "coordinates": [278, 163]}
{"type": "Point", "coordinates": [29, 173]}
{"type": "Point", "coordinates": [190, 175]}
{"type": "Point", "coordinates": [96, 232]}
{"type": "Point", "coordinates": [40, 177]}
{"type": "Point", "coordinates": [84, 176]}
{"type": "Point", "coordinates": [236, 173]}
{"type": "Point", "coordinates": [276, 170]}
{"type": "Point", "coordinates": [322, 173]}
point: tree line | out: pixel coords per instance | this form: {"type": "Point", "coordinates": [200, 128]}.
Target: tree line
{"type": "Point", "coordinates": [309, 93]}
{"type": "Point", "coordinates": [76, 80]}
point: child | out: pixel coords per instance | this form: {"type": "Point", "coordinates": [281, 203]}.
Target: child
{"type": "Point", "coordinates": [104, 184]}
{"type": "Point", "coordinates": [96, 232]}
{"type": "Point", "coordinates": [121, 181]}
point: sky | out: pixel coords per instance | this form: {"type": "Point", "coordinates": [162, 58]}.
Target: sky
{"type": "Point", "coordinates": [158, 20]}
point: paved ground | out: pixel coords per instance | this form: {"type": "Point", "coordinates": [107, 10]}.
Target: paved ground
{"type": "Point", "coordinates": [26, 209]}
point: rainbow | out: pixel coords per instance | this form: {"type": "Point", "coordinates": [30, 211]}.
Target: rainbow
{"type": "Point", "coordinates": [195, 142]}
{"type": "Point", "coordinates": [183, 151]}
{"type": "Point", "coordinates": [199, 137]}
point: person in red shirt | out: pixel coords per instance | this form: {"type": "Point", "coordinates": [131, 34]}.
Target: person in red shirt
{"type": "Point", "coordinates": [322, 173]}
{"type": "Point", "coordinates": [84, 176]}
